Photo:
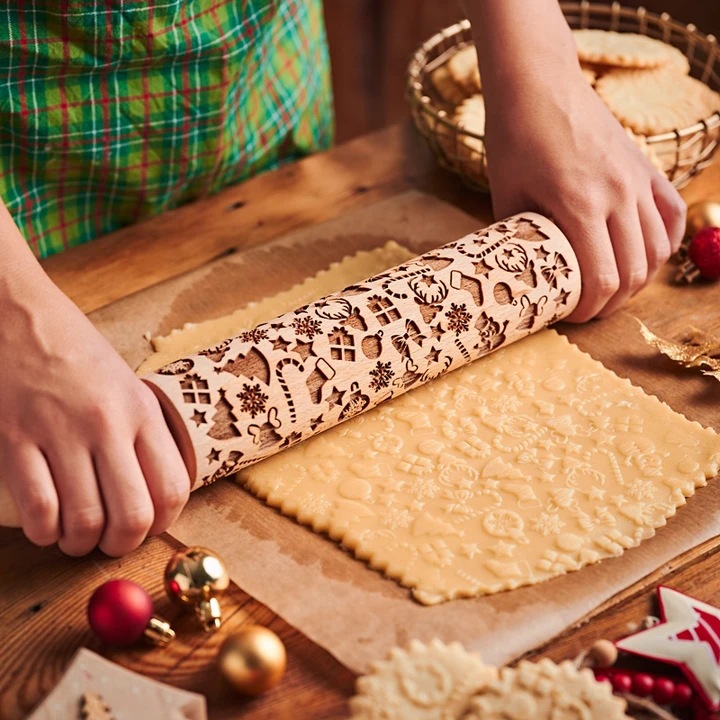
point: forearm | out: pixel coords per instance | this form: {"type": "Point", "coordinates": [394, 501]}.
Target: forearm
{"type": "Point", "coordinates": [519, 40]}
{"type": "Point", "coordinates": [20, 271]}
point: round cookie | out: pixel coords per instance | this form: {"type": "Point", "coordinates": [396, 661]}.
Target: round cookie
{"type": "Point", "coordinates": [546, 691]}
{"type": "Point", "coordinates": [464, 69]}
{"type": "Point", "coordinates": [470, 116]}
{"type": "Point", "coordinates": [449, 90]}
{"type": "Point", "coordinates": [425, 682]}
{"type": "Point", "coordinates": [651, 102]}
{"type": "Point", "coordinates": [628, 50]}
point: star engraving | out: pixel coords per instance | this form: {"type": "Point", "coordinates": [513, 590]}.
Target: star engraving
{"type": "Point", "coordinates": [541, 253]}
{"type": "Point", "coordinates": [213, 455]}
{"type": "Point", "coordinates": [198, 418]}
{"type": "Point", "coordinates": [315, 422]}
{"type": "Point", "coordinates": [436, 332]}
{"type": "Point", "coordinates": [688, 637]}
{"type": "Point", "coordinates": [562, 298]}
{"type": "Point", "coordinates": [482, 268]}
{"type": "Point", "coordinates": [433, 355]}
{"type": "Point", "coordinates": [503, 549]}
{"type": "Point", "coordinates": [304, 349]}
{"type": "Point", "coordinates": [335, 397]}
{"type": "Point", "coordinates": [281, 344]}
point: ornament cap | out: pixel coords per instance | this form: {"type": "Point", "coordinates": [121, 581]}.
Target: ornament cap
{"type": "Point", "coordinates": [209, 614]}
{"type": "Point", "coordinates": [158, 631]}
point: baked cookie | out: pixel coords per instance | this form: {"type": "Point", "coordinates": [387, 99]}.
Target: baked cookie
{"type": "Point", "coordinates": [546, 691]}
{"type": "Point", "coordinates": [430, 681]}
{"type": "Point", "coordinates": [650, 102]}
{"type": "Point", "coordinates": [464, 69]}
{"type": "Point", "coordinates": [446, 87]}
{"type": "Point", "coordinates": [628, 50]}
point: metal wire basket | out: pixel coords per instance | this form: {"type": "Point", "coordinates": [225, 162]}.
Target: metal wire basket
{"type": "Point", "coordinates": [681, 153]}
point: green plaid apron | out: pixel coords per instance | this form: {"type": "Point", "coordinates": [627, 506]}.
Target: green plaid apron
{"type": "Point", "coordinates": [114, 110]}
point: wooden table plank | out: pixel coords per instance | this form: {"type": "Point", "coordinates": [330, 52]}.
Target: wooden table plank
{"type": "Point", "coordinates": [42, 605]}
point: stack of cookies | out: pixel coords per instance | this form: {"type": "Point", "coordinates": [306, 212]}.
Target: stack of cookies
{"type": "Point", "coordinates": [645, 83]}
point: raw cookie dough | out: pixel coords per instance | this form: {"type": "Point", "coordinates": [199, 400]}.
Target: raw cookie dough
{"type": "Point", "coordinates": [519, 467]}
{"type": "Point", "coordinates": [193, 337]}
{"type": "Point", "coordinates": [514, 469]}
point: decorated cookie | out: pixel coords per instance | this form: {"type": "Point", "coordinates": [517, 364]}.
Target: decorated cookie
{"type": "Point", "coordinates": [425, 682]}
{"type": "Point", "coordinates": [545, 691]}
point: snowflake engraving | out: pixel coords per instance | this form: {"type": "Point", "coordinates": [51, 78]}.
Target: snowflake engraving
{"type": "Point", "coordinates": [458, 318]}
{"type": "Point", "coordinates": [254, 336]}
{"type": "Point", "coordinates": [307, 326]}
{"type": "Point", "coordinates": [252, 400]}
{"type": "Point", "coordinates": [381, 376]}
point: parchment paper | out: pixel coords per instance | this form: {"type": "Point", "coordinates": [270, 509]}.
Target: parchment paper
{"type": "Point", "coordinates": [337, 601]}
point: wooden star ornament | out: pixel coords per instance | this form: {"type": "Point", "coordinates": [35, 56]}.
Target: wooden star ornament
{"type": "Point", "coordinates": [688, 637]}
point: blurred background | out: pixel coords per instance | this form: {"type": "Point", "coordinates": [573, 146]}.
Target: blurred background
{"type": "Point", "coordinates": [371, 42]}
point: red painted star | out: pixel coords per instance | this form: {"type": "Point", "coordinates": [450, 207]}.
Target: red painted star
{"type": "Point", "coordinates": [688, 637]}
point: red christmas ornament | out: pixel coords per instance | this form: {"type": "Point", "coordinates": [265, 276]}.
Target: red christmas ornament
{"type": "Point", "coordinates": [704, 251]}
{"type": "Point", "coordinates": [687, 637]}
{"type": "Point", "coordinates": [120, 612]}
{"type": "Point", "coordinates": [703, 256]}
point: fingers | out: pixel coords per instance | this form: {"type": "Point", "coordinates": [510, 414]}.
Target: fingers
{"type": "Point", "coordinates": [598, 268]}
{"type": "Point", "coordinates": [82, 515]}
{"type": "Point", "coordinates": [33, 492]}
{"type": "Point", "coordinates": [626, 235]}
{"type": "Point", "coordinates": [129, 508]}
{"type": "Point", "coordinates": [657, 243]}
{"type": "Point", "coordinates": [165, 474]}
{"type": "Point", "coordinates": [672, 209]}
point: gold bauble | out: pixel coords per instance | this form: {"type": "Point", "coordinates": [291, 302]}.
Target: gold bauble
{"type": "Point", "coordinates": [252, 659]}
{"type": "Point", "coordinates": [701, 215]}
{"type": "Point", "coordinates": [194, 577]}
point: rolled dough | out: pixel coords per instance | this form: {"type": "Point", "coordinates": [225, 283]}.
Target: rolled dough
{"type": "Point", "coordinates": [522, 466]}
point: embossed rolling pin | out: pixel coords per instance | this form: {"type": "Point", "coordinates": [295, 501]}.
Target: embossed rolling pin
{"type": "Point", "coordinates": [270, 387]}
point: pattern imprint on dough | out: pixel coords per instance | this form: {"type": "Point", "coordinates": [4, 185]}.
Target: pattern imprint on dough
{"type": "Point", "coordinates": [496, 476]}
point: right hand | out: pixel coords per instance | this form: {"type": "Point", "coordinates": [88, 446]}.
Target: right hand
{"type": "Point", "coordinates": [86, 454]}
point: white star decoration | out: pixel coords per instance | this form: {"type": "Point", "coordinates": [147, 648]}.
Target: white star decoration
{"type": "Point", "coordinates": [688, 637]}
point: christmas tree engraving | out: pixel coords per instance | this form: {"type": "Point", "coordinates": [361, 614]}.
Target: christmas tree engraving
{"type": "Point", "coordinates": [223, 420]}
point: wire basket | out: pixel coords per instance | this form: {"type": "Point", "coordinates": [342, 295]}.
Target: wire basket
{"type": "Point", "coordinates": [681, 154]}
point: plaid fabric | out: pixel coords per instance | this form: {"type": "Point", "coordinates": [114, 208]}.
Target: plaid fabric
{"type": "Point", "coordinates": [114, 110]}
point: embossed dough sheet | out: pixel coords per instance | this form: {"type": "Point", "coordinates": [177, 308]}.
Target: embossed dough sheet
{"type": "Point", "coordinates": [355, 612]}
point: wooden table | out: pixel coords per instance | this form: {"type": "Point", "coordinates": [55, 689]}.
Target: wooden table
{"type": "Point", "coordinates": [44, 594]}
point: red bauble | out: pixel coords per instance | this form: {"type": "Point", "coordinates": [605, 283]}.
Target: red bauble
{"type": "Point", "coordinates": [683, 695]}
{"type": "Point", "coordinates": [664, 691]}
{"type": "Point", "coordinates": [621, 682]}
{"type": "Point", "coordinates": [642, 684]}
{"type": "Point", "coordinates": [119, 611]}
{"type": "Point", "coordinates": [704, 251]}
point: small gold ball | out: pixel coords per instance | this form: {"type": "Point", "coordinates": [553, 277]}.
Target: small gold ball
{"type": "Point", "coordinates": [602, 654]}
{"type": "Point", "coordinates": [195, 573]}
{"type": "Point", "coordinates": [252, 659]}
{"type": "Point", "coordinates": [701, 215]}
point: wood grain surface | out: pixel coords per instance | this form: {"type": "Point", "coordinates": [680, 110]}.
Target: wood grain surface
{"type": "Point", "coordinates": [44, 595]}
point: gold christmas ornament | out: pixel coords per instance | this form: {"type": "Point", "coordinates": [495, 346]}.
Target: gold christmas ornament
{"type": "Point", "coordinates": [701, 215]}
{"type": "Point", "coordinates": [252, 659]}
{"type": "Point", "coordinates": [194, 577]}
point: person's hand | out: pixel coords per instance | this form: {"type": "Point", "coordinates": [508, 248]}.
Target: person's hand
{"type": "Point", "coordinates": [554, 147]}
{"type": "Point", "coordinates": [86, 454]}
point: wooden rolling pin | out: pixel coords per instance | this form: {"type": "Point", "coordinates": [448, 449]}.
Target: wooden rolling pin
{"type": "Point", "coordinates": [286, 380]}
